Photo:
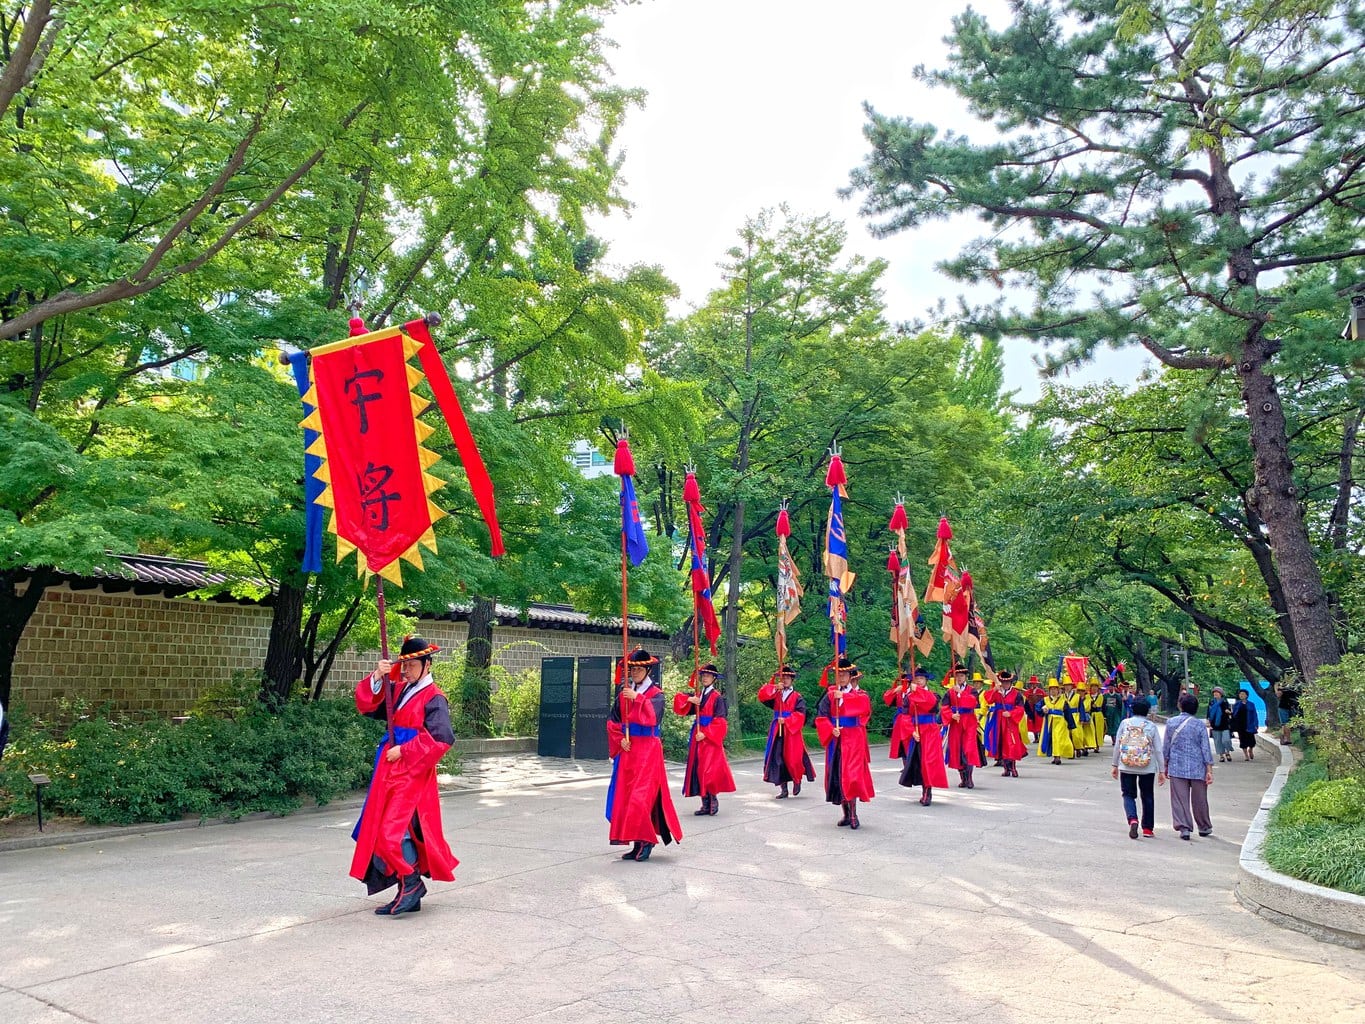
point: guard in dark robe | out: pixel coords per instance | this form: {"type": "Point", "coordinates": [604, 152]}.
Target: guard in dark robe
{"type": "Point", "coordinates": [639, 806]}
{"type": "Point", "coordinates": [959, 715]}
{"type": "Point", "coordinates": [785, 759]}
{"type": "Point", "coordinates": [708, 770]}
{"type": "Point", "coordinates": [841, 721]}
{"type": "Point", "coordinates": [915, 735]}
{"type": "Point", "coordinates": [398, 838]}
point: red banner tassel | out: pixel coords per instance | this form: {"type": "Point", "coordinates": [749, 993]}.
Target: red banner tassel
{"type": "Point", "coordinates": [945, 532]}
{"type": "Point", "coordinates": [898, 520]}
{"type": "Point", "coordinates": [624, 465]}
{"type": "Point", "coordinates": [449, 404]}
{"type": "Point", "coordinates": [836, 476]}
{"type": "Point", "coordinates": [784, 524]}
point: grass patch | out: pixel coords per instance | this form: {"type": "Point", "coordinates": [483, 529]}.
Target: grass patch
{"type": "Point", "coordinates": [1317, 831]}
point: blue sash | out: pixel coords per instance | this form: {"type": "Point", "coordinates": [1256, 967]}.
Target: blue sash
{"type": "Point", "coordinates": [847, 721]}
{"type": "Point", "coordinates": [401, 735]}
{"type": "Point", "coordinates": [926, 719]}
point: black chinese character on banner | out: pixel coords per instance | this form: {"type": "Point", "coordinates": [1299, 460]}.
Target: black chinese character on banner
{"type": "Point", "coordinates": [374, 499]}
{"type": "Point", "coordinates": [362, 396]}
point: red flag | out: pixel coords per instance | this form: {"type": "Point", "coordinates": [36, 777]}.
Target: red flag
{"type": "Point", "coordinates": [703, 606]}
{"type": "Point", "coordinates": [941, 561]}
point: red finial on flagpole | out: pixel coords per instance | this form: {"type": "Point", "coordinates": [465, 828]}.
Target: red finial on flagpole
{"type": "Point", "coordinates": [784, 524]}
{"type": "Point", "coordinates": [893, 562]}
{"type": "Point", "coordinates": [836, 476]}
{"type": "Point", "coordinates": [625, 462]}
{"type": "Point", "coordinates": [898, 519]}
{"type": "Point", "coordinates": [945, 532]}
{"type": "Point", "coordinates": [358, 327]}
{"type": "Point", "coordinates": [691, 492]}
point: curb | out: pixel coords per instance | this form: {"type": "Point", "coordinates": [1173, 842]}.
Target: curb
{"type": "Point", "coordinates": [1325, 914]}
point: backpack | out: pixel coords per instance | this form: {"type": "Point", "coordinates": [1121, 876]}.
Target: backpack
{"type": "Point", "coordinates": [1135, 746]}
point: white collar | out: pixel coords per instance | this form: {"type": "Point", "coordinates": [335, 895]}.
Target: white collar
{"type": "Point", "coordinates": [414, 689]}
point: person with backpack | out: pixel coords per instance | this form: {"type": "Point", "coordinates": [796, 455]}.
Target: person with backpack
{"type": "Point", "coordinates": [1189, 766]}
{"type": "Point", "coordinates": [1138, 759]}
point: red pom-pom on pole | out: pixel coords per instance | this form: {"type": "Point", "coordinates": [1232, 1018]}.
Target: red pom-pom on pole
{"type": "Point", "coordinates": [625, 462]}
{"type": "Point", "coordinates": [691, 491]}
{"type": "Point", "coordinates": [966, 581]}
{"type": "Point", "coordinates": [784, 524]}
{"type": "Point", "coordinates": [836, 476]}
{"type": "Point", "coordinates": [898, 520]}
{"type": "Point", "coordinates": [893, 562]}
{"type": "Point", "coordinates": [358, 327]}
{"type": "Point", "coordinates": [945, 532]}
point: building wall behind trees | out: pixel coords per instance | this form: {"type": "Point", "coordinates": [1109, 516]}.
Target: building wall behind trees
{"type": "Point", "coordinates": [150, 653]}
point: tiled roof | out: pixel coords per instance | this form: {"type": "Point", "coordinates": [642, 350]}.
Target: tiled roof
{"type": "Point", "coordinates": [155, 574]}
{"type": "Point", "coordinates": [558, 616]}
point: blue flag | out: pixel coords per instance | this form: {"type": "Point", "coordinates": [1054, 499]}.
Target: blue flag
{"type": "Point", "coordinates": [312, 486]}
{"type": "Point", "coordinates": [637, 547]}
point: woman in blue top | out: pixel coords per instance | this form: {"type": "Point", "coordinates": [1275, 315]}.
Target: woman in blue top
{"type": "Point", "coordinates": [1245, 723]}
{"type": "Point", "coordinates": [1219, 717]}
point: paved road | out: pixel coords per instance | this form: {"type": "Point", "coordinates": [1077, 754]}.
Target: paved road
{"type": "Point", "coordinates": [1022, 901]}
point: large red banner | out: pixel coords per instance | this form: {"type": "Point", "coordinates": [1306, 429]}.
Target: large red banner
{"type": "Point", "coordinates": [375, 465]}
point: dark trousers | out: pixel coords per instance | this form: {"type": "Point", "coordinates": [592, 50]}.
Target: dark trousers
{"type": "Point", "coordinates": [1131, 784]}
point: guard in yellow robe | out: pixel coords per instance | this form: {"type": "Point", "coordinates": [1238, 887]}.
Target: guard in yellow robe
{"type": "Point", "coordinates": [1078, 720]}
{"type": "Point", "coordinates": [1055, 741]}
{"type": "Point", "coordinates": [1096, 701]}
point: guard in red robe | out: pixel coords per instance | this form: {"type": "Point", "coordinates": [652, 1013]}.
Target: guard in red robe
{"type": "Point", "coordinates": [785, 759]}
{"type": "Point", "coordinates": [708, 771]}
{"type": "Point", "coordinates": [639, 806]}
{"type": "Point", "coordinates": [915, 736]}
{"type": "Point", "coordinates": [398, 838]}
{"type": "Point", "coordinates": [1033, 707]}
{"type": "Point", "coordinates": [841, 722]}
{"type": "Point", "coordinates": [1004, 711]}
{"type": "Point", "coordinates": [959, 714]}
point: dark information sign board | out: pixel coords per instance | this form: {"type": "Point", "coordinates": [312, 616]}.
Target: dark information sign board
{"type": "Point", "coordinates": [594, 697]}
{"type": "Point", "coordinates": [556, 708]}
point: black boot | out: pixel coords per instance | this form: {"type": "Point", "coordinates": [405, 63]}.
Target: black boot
{"type": "Point", "coordinates": [844, 820]}
{"type": "Point", "coordinates": [645, 850]}
{"type": "Point", "coordinates": [962, 778]}
{"type": "Point", "coordinates": [410, 895]}
{"type": "Point", "coordinates": [633, 852]}
{"type": "Point", "coordinates": [970, 783]}
{"type": "Point", "coordinates": [715, 805]}
{"type": "Point", "coordinates": [853, 815]}
{"type": "Point", "coordinates": [796, 788]}
{"type": "Point", "coordinates": [704, 809]}
{"type": "Point", "coordinates": [928, 796]}
{"type": "Point", "coordinates": [783, 794]}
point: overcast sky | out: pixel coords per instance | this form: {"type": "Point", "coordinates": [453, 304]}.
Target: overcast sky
{"type": "Point", "coordinates": [754, 103]}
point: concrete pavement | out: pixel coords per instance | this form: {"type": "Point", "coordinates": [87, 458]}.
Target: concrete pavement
{"type": "Point", "coordinates": [1023, 900]}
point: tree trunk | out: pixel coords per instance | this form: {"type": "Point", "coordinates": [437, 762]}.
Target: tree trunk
{"type": "Point", "coordinates": [476, 708]}
{"type": "Point", "coordinates": [15, 611]}
{"type": "Point", "coordinates": [1277, 503]}
{"type": "Point", "coordinates": [284, 653]}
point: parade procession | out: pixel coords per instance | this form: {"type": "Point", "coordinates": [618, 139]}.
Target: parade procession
{"type": "Point", "coordinates": [968, 715]}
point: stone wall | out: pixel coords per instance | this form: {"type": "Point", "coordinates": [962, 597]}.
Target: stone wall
{"type": "Point", "coordinates": [159, 654]}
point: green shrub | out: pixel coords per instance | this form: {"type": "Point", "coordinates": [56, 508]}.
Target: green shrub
{"type": "Point", "coordinates": [1332, 707]}
{"type": "Point", "coordinates": [112, 772]}
{"type": "Point", "coordinates": [516, 703]}
{"type": "Point", "coordinates": [1325, 854]}
{"type": "Point", "coordinates": [1326, 801]}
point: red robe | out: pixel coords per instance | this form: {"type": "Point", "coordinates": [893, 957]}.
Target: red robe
{"type": "Point", "coordinates": [1002, 737]}
{"type": "Point", "coordinates": [403, 795]}
{"type": "Point", "coordinates": [915, 736]}
{"type": "Point", "coordinates": [963, 746]}
{"type": "Point", "coordinates": [639, 806]}
{"type": "Point", "coordinates": [848, 759]}
{"type": "Point", "coordinates": [1032, 702]}
{"type": "Point", "coordinates": [708, 770]}
{"type": "Point", "coordinates": [789, 718]}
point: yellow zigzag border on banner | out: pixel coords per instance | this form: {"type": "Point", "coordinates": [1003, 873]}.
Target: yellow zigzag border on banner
{"type": "Point", "coordinates": [313, 421]}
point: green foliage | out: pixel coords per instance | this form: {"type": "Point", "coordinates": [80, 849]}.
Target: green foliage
{"type": "Point", "coordinates": [1325, 801]}
{"type": "Point", "coordinates": [1325, 854]}
{"type": "Point", "coordinates": [1332, 707]}
{"type": "Point", "coordinates": [516, 703]}
{"type": "Point", "coordinates": [113, 772]}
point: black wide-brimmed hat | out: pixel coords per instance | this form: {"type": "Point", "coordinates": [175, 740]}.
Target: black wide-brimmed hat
{"type": "Point", "coordinates": [786, 672]}
{"type": "Point", "coordinates": [921, 672]}
{"type": "Point", "coordinates": [846, 664]}
{"type": "Point", "coordinates": [1005, 676]}
{"type": "Point", "coordinates": [641, 658]}
{"type": "Point", "coordinates": [710, 667]}
{"type": "Point", "coordinates": [414, 647]}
